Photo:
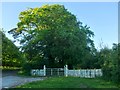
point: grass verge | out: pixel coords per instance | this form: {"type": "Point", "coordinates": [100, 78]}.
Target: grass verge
{"type": "Point", "coordinates": [70, 82]}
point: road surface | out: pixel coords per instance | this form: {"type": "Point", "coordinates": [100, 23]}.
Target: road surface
{"type": "Point", "coordinates": [11, 79]}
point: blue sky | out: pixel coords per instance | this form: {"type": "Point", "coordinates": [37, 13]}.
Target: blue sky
{"type": "Point", "coordinates": [102, 17]}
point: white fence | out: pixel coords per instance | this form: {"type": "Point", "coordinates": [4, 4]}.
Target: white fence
{"type": "Point", "coordinates": [39, 72]}
{"type": "Point", "coordinates": [85, 73]}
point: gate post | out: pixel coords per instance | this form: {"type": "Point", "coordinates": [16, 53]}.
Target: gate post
{"type": "Point", "coordinates": [44, 69]}
{"type": "Point", "coordinates": [66, 70]}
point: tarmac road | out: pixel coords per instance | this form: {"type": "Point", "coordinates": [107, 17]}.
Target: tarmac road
{"type": "Point", "coordinates": [10, 79]}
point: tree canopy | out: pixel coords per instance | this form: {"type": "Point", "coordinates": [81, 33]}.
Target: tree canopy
{"type": "Point", "coordinates": [52, 35]}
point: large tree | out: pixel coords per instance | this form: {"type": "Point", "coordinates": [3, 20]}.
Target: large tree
{"type": "Point", "coordinates": [53, 36]}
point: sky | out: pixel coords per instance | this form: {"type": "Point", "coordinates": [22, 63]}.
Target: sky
{"type": "Point", "coordinates": [101, 17]}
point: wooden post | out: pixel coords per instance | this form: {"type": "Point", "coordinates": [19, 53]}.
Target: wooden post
{"type": "Point", "coordinates": [44, 68]}
{"type": "Point", "coordinates": [58, 71]}
{"type": "Point", "coordinates": [51, 71]}
{"type": "Point", "coordinates": [95, 72]}
{"type": "Point", "coordinates": [66, 70]}
{"type": "Point", "coordinates": [79, 73]}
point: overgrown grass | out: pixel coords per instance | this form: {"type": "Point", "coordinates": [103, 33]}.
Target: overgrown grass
{"type": "Point", "coordinates": [70, 82]}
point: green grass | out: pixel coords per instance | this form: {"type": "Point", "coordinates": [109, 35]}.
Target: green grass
{"type": "Point", "coordinates": [69, 82]}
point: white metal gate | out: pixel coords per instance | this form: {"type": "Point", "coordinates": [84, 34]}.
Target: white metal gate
{"type": "Point", "coordinates": [54, 71]}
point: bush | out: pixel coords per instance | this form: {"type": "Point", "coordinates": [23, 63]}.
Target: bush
{"type": "Point", "coordinates": [111, 66]}
{"type": "Point", "coordinates": [26, 69]}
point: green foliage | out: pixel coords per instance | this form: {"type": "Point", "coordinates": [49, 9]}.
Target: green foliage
{"type": "Point", "coordinates": [10, 53]}
{"type": "Point", "coordinates": [52, 35]}
{"type": "Point", "coordinates": [110, 66]}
